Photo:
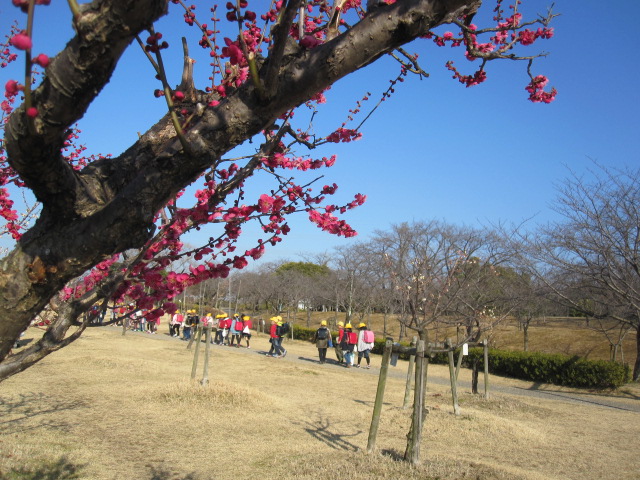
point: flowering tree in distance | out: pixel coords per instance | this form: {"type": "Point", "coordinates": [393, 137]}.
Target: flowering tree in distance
{"type": "Point", "coordinates": [110, 228]}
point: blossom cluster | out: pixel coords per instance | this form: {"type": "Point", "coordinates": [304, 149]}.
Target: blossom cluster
{"type": "Point", "coordinates": [536, 90]}
{"type": "Point", "coordinates": [508, 33]}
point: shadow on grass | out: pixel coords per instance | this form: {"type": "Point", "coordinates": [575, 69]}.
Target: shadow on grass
{"type": "Point", "coordinates": [323, 431]}
{"type": "Point", "coordinates": [53, 470]}
{"type": "Point", "coordinates": [161, 474]}
{"type": "Point", "coordinates": [14, 411]}
{"type": "Point", "coordinates": [394, 455]}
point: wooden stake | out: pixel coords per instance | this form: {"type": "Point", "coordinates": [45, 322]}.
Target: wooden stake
{"type": "Point", "coordinates": [485, 345]}
{"type": "Point", "coordinates": [207, 347]}
{"type": "Point", "coordinates": [377, 407]}
{"type": "Point", "coordinates": [407, 391]}
{"type": "Point", "coordinates": [195, 355]}
{"type": "Point", "coordinates": [453, 378]}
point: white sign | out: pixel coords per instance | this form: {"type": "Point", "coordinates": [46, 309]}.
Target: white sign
{"type": "Point", "coordinates": [465, 349]}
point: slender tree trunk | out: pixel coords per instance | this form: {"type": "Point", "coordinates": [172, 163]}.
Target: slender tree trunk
{"type": "Point", "coordinates": [525, 331]}
{"type": "Point", "coordinates": [474, 377]}
{"type": "Point", "coordinates": [636, 366]}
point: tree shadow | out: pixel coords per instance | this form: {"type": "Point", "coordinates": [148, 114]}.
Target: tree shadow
{"type": "Point", "coordinates": [393, 454]}
{"type": "Point", "coordinates": [60, 469]}
{"type": "Point", "coordinates": [321, 430]}
{"type": "Point", "coordinates": [317, 360]}
{"type": "Point", "coordinates": [16, 410]}
{"type": "Point", "coordinates": [161, 474]}
{"type": "Point", "coordinates": [310, 360]}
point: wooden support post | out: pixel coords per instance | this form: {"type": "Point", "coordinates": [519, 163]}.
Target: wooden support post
{"type": "Point", "coordinates": [207, 347]}
{"type": "Point", "coordinates": [485, 344]}
{"type": "Point", "coordinates": [412, 453]}
{"type": "Point", "coordinates": [377, 407]}
{"type": "Point", "coordinates": [407, 390]}
{"type": "Point", "coordinates": [195, 355]}
{"type": "Point", "coordinates": [453, 378]}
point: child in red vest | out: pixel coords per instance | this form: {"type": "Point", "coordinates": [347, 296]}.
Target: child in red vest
{"type": "Point", "coordinates": [246, 329]}
{"type": "Point", "coordinates": [348, 343]}
{"type": "Point", "coordinates": [336, 346]}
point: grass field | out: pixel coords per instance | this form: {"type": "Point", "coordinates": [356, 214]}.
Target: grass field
{"type": "Point", "coordinates": [123, 407]}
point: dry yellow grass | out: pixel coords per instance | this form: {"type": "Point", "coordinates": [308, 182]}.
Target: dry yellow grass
{"type": "Point", "coordinates": [111, 407]}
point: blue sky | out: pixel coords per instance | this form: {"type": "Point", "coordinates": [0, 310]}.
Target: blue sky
{"type": "Point", "coordinates": [436, 149]}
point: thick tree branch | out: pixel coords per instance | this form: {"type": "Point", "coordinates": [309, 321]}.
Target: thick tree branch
{"type": "Point", "coordinates": [73, 79]}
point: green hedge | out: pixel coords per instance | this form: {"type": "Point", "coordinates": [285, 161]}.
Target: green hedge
{"type": "Point", "coordinates": [557, 369]}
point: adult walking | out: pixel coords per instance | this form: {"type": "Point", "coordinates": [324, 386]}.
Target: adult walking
{"type": "Point", "coordinates": [322, 339]}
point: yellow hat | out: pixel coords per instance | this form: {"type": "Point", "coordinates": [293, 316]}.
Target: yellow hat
{"type": "Point", "coordinates": [323, 323]}
{"type": "Point", "coordinates": [341, 324]}
{"type": "Point", "coordinates": [209, 315]}
{"type": "Point", "coordinates": [348, 325]}
{"type": "Point", "coordinates": [246, 317]}
{"type": "Point", "coordinates": [274, 319]}
{"type": "Point", "coordinates": [362, 325]}
{"type": "Point", "coordinates": [177, 311]}
{"type": "Point", "coordinates": [220, 315]}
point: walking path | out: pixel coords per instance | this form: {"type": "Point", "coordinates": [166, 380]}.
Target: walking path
{"type": "Point", "coordinates": [630, 401]}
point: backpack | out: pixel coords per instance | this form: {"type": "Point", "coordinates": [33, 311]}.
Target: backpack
{"type": "Point", "coordinates": [368, 336]}
{"type": "Point", "coordinates": [283, 329]}
{"type": "Point", "coordinates": [322, 334]}
{"type": "Point", "coordinates": [352, 338]}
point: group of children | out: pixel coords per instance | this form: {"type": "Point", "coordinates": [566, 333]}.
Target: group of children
{"type": "Point", "coordinates": [277, 331]}
{"type": "Point", "coordinates": [230, 330]}
{"type": "Point", "coordinates": [347, 343]}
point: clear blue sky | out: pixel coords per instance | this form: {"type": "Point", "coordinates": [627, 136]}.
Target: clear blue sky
{"type": "Point", "coordinates": [436, 149]}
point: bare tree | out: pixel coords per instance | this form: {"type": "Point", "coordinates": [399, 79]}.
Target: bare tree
{"type": "Point", "coordinates": [447, 275]}
{"type": "Point", "coordinates": [591, 257]}
{"type": "Point", "coordinates": [357, 271]}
